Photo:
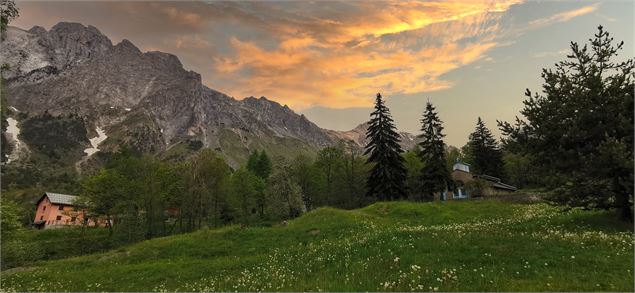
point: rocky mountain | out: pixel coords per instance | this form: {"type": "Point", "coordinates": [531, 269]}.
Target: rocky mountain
{"type": "Point", "coordinates": [143, 99]}
{"type": "Point", "coordinates": [358, 135]}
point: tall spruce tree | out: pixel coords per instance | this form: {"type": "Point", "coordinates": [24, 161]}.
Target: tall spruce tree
{"type": "Point", "coordinates": [388, 174]}
{"type": "Point", "coordinates": [435, 176]}
{"type": "Point", "coordinates": [483, 152]}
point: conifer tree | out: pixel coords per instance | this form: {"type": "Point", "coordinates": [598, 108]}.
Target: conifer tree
{"type": "Point", "coordinates": [252, 162]}
{"type": "Point", "coordinates": [483, 152]}
{"type": "Point", "coordinates": [388, 174]}
{"type": "Point", "coordinates": [579, 130]}
{"type": "Point", "coordinates": [259, 164]}
{"type": "Point", "coordinates": [435, 176]}
{"type": "Point", "coordinates": [264, 165]}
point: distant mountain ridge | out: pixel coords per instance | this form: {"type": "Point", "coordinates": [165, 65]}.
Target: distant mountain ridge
{"type": "Point", "coordinates": [147, 100]}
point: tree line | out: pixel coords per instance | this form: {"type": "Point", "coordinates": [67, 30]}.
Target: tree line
{"type": "Point", "coordinates": [575, 139]}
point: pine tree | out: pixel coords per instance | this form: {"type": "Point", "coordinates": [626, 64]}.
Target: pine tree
{"type": "Point", "coordinates": [259, 164]}
{"type": "Point", "coordinates": [252, 162]}
{"type": "Point", "coordinates": [579, 130]}
{"type": "Point", "coordinates": [435, 176]}
{"type": "Point", "coordinates": [483, 152]}
{"type": "Point", "coordinates": [264, 165]}
{"type": "Point", "coordinates": [388, 174]}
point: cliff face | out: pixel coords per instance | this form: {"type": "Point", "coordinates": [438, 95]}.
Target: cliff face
{"type": "Point", "coordinates": [145, 99]}
{"type": "Point", "coordinates": [358, 135]}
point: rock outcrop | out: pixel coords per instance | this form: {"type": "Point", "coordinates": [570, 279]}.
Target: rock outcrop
{"type": "Point", "coordinates": [146, 99]}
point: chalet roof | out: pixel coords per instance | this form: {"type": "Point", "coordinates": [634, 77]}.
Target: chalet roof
{"type": "Point", "coordinates": [58, 198]}
{"type": "Point", "coordinates": [496, 182]}
{"type": "Point", "coordinates": [504, 186]}
{"type": "Point", "coordinates": [488, 177]}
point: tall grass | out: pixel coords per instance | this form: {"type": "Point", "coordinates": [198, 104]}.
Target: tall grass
{"type": "Point", "coordinates": [484, 245]}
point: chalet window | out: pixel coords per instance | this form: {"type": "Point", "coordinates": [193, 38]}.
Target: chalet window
{"type": "Point", "coordinates": [58, 218]}
{"type": "Point", "coordinates": [61, 207]}
{"type": "Point", "coordinates": [41, 218]}
{"type": "Point", "coordinates": [73, 219]}
{"type": "Point", "coordinates": [44, 208]}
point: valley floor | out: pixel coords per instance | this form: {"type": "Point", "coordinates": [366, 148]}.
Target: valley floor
{"type": "Point", "coordinates": [481, 245]}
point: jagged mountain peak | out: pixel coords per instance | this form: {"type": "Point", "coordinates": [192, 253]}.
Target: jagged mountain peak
{"type": "Point", "coordinates": [37, 30]}
{"type": "Point", "coordinates": [127, 47]}
{"type": "Point", "coordinates": [147, 100]}
{"type": "Point", "coordinates": [358, 135]}
{"type": "Point", "coordinates": [64, 27]}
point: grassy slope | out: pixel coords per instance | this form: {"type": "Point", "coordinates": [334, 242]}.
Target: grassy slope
{"type": "Point", "coordinates": [445, 246]}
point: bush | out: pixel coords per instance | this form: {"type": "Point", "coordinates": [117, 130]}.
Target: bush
{"type": "Point", "coordinates": [478, 187]}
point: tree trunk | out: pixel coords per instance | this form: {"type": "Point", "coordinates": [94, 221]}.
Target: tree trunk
{"type": "Point", "coordinates": [622, 194]}
{"type": "Point", "coordinates": [108, 224]}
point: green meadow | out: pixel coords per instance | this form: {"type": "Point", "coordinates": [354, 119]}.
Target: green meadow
{"type": "Point", "coordinates": [476, 245]}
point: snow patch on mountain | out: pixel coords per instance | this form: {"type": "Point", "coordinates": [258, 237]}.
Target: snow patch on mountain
{"type": "Point", "coordinates": [95, 141]}
{"type": "Point", "coordinates": [13, 131]}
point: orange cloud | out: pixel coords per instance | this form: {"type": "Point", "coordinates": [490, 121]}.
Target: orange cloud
{"type": "Point", "coordinates": [335, 54]}
{"type": "Point", "coordinates": [342, 61]}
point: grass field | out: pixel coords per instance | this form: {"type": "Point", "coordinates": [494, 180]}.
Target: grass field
{"type": "Point", "coordinates": [484, 245]}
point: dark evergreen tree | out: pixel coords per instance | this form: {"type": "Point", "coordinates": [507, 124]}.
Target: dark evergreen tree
{"type": "Point", "coordinates": [579, 131]}
{"type": "Point", "coordinates": [388, 174]}
{"type": "Point", "coordinates": [252, 161]}
{"type": "Point", "coordinates": [259, 164]}
{"type": "Point", "coordinates": [435, 176]}
{"type": "Point", "coordinates": [264, 165]}
{"type": "Point", "coordinates": [483, 152]}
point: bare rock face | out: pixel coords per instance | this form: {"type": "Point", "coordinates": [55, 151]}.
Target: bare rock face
{"type": "Point", "coordinates": [147, 100]}
{"type": "Point", "coordinates": [358, 135]}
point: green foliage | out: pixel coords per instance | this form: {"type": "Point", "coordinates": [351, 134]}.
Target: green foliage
{"type": "Point", "coordinates": [520, 170]}
{"type": "Point", "coordinates": [206, 190]}
{"type": "Point", "coordinates": [330, 161]}
{"type": "Point", "coordinates": [259, 164]}
{"type": "Point", "coordinates": [355, 176]}
{"type": "Point", "coordinates": [283, 195]}
{"type": "Point", "coordinates": [483, 153]}
{"type": "Point", "coordinates": [414, 165]}
{"type": "Point", "coordinates": [60, 138]}
{"type": "Point", "coordinates": [483, 245]}
{"type": "Point", "coordinates": [452, 155]}
{"type": "Point", "coordinates": [435, 176]}
{"type": "Point", "coordinates": [336, 178]}
{"type": "Point", "coordinates": [9, 218]}
{"type": "Point", "coordinates": [247, 195]}
{"type": "Point", "coordinates": [477, 187]}
{"type": "Point", "coordinates": [30, 246]}
{"type": "Point", "coordinates": [8, 12]}
{"type": "Point", "coordinates": [311, 180]}
{"type": "Point", "coordinates": [579, 131]}
{"type": "Point", "coordinates": [388, 174]}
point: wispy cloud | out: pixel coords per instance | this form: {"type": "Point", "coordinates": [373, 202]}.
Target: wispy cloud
{"type": "Point", "coordinates": [341, 58]}
{"type": "Point", "coordinates": [550, 53]}
{"type": "Point", "coordinates": [335, 54]}
{"type": "Point", "coordinates": [564, 16]}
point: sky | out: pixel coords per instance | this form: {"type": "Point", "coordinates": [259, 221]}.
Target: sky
{"type": "Point", "coordinates": [328, 59]}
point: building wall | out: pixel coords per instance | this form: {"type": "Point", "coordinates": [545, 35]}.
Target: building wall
{"type": "Point", "coordinates": [462, 176]}
{"type": "Point", "coordinates": [55, 218]}
{"type": "Point", "coordinates": [465, 177]}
